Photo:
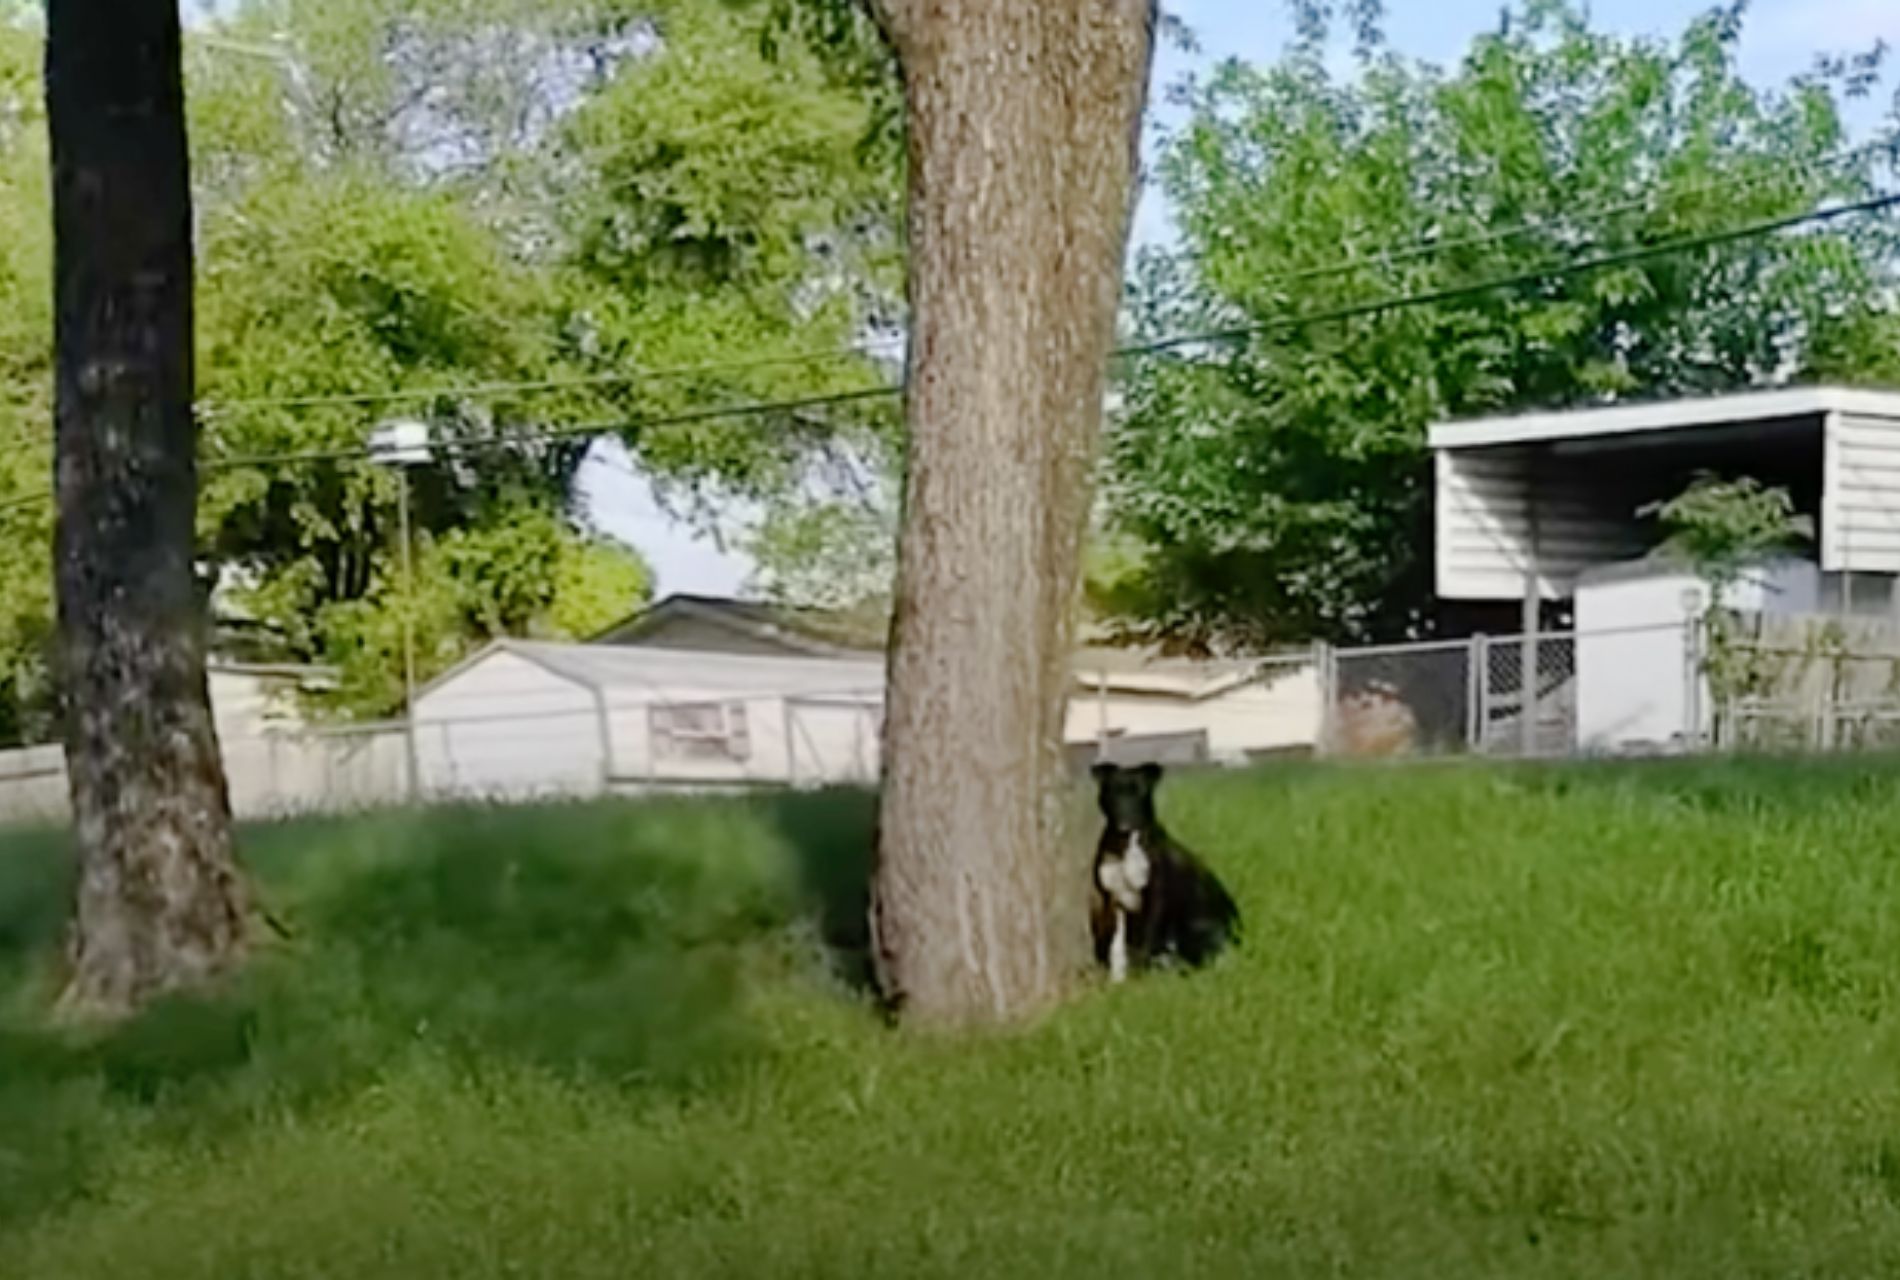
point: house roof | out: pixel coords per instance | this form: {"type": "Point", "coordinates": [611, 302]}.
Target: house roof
{"type": "Point", "coordinates": [857, 632]}
{"type": "Point", "coordinates": [300, 671]}
{"type": "Point", "coordinates": [1146, 671]}
{"type": "Point", "coordinates": [1670, 415]}
{"type": "Point", "coordinates": [641, 671]}
{"type": "Point", "coordinates": [820, 632]}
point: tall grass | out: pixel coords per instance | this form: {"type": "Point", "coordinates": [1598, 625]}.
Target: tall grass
{"type": "Point", "coordinates": [1599, 1021]}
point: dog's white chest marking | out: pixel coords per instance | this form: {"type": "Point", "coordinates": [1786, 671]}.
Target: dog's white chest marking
{"type": "Point", "coordinates": [1123, 879]}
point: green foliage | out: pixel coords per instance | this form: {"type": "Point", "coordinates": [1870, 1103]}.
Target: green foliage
{"type": "Point", "coordinates": [529, 576]}
{"type": "Point", "coordinates": [596, 584]}
{"type": "Point", "coordinates": [1720, 527]}
{"type": "Point", "coordinates": [842, 35]}
{"type": "Point", "coordinates": [727, 225]}
{"type": "Point", "coordinates": [839, 556]}
{"type": "Point", "coordinates": [399, 197]}
{"type": "Point", "coordinates": [26, 292]}
{"type": "Point", "coordinates": [1588, 1021]}
{"type": "Point", "coordinates": [1279, 482]}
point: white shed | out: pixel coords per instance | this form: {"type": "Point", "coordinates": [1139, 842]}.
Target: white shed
{"type": "Point", "coordinates": [1542, 497]}
{"type": "Point", "coordinates": [526, 719]}
{"type": "Point", "coordinates": [1552, 507]}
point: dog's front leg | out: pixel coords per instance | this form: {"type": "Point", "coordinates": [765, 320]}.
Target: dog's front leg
{"type": "Point", "coordinates": [1118, 948]}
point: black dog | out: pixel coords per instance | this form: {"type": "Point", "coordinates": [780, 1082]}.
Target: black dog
{"type": "Point", "coordinates": [1154, 900]}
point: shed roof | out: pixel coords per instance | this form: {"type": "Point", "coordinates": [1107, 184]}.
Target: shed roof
{"type": "Point", "coordinates": [644, 672]}
{"type": "Point", "coordinates": [1529, 502]}
{"type": "Point", "coordinates": [856, 632]}
{"type": "Point", "coordinates": [819, 632]}
{"type": "Point", "coordinates": [1144, 671]}
{"type": "Point", "coordinates": [1667, 415]}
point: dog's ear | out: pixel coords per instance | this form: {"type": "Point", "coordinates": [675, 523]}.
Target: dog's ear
{"type": "Point", "coordinates": [1102, 771]}
{"type": "Point", "coordinates": [1150, 773]}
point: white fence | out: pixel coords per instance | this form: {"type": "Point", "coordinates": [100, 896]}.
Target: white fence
{"type": "Point", "coordinates": [268, 776]}
{"type": "Point", "coordinates": [33, 785]}
{"type": "Point", "coordinates": [620, 747]}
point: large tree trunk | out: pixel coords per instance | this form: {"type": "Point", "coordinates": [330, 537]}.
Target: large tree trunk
{"type": "Point", "coordinates": [1024, 124]}
{"type": "Point", "coordinates": [160, 901]}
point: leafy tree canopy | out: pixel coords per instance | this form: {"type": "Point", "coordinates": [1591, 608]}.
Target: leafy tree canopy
{"type": "Point", "coordinates": [620, 209]}
{"type": "Point", "coordinates": [1720, 527]}
{"type": "Point", "coordinates": [1274, 489]}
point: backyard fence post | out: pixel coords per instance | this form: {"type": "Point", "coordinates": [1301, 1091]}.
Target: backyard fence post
{"type": "Point", "coordinates": [1828, 702]}
{"type": "Point", "coordinates": [1477, 675]}
{"type": "Point", "coordinates": [1485, 708]}
{"type": "Point", "coordinates": [606, 742]}
{"type": "Point", "coordinates": [1327, 673]}
{"type": "Point", "coordinates": [1692, 729]}
{"type": "Point", "coordinates": [1527, 680]}
{"type": "Point", "coordinates": [791, 744]}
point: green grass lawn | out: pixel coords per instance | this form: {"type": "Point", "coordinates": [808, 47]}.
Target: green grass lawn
{"type": "Point", "coordinates": [1591, 1022]}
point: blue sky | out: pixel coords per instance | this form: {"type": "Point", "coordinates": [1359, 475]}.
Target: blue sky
{"type": "Point", "coordinates": [1782, 38]}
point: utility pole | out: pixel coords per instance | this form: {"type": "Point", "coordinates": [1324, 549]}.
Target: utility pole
{"type": "Point", "coordinates": [399, 446]}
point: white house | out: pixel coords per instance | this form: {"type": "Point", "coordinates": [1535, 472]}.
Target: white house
{"type": "Point", "coordinates": [1639, 681]}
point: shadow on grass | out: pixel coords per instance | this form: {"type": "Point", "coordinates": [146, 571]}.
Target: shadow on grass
{"type": "Point", "coordinates": [606, 944]}
{"type": "Point", "coordinates": [829, 835]}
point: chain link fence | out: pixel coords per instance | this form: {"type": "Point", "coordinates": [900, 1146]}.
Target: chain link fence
{"type": "Point", "coordinates": [1545, 695]}
{"type": "Point", "coordinates": [744, 741]}
{"type": "Point", "coordinates": [1750, 683]}
{"type": "Point", "coordinates": [1780, 684]}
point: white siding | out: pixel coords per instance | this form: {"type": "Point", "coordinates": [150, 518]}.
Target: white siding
{"type": "Point", "coordinates": [1254, 717]}
{"type": "Point", "coordinates": [832, 740]}
{"type": "Point", "coordinates": [1860, 514]}
{"type": "Point", "coordinates": [505, 726]}
{"type": "Point", "coordinates": [1635, 674]}
{"type": "Point", "coordinates": [1633, 685]}
{"type": "Point", "coordinates": [33, 786]}
{"type": "Point", "coordinates": [247, 702]}
{"type": "Point", "coordinates": [1484, 526]}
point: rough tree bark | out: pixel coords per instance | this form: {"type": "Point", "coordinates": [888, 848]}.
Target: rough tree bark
{"type": "Point", "coordinates": [1023, 125]}
{"type": "Point", "coordinates": [160, 902]}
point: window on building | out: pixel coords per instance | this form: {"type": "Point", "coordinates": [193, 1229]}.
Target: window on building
{"type": "Point", "coordinates": [700, 731]}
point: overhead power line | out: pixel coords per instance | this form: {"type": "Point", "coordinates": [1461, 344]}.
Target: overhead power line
{"type": "Point", "coordinates": [1235, 333]}
{"type": "Point", "coordinates": [484, 444]}
{"type": "Point", "coordinates": [1431, 246]}
{"type": "Point", "coordinates": [1516, 280]}
{"type": "Point", "coordinates": [485, 390]}
{"type": "Point", "coordinates": [1424, 247]}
